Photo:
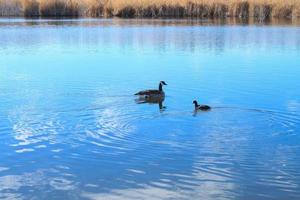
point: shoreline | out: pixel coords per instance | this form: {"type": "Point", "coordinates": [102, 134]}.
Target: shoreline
{"type": "Point", "coordinates": [115, 21]}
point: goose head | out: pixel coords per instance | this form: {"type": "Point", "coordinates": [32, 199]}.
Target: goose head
{"type": "Point", "coordinates": [163, 83]}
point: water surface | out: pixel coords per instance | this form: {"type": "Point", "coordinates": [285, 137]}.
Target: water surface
{"type": "Point", "coordinates": [70, 127]}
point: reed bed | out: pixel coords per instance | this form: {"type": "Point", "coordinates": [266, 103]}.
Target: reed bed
{"type": "Point", "coordinates": [259, 9]}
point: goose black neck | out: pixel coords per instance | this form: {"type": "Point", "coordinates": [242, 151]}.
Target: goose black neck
{"type": "Point", "coordinates": [196, 104]}
{"type": "Point", "coordinates": [160, 88]}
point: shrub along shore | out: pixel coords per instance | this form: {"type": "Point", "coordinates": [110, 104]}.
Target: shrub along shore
{"type": "Point", "coordinates": [207, 9]}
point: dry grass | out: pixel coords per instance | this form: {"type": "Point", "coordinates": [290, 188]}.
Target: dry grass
{"type": "Point", "coordinates": [10, 8]}
{"type": "Point", "coordinates": [260, 9]}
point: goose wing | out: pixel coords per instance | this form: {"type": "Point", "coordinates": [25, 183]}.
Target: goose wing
{"type": "Point", "coordinates": [148, 92]}
{"type": "Point", "coordinates": [204, 107]}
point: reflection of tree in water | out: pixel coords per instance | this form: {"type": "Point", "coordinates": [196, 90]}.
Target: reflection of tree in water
{"type": "Point", "coordinates": [186, 35]}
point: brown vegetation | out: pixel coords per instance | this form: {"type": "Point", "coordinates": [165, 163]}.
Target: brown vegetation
{"type": "Point", "coordinates": [258, 9]}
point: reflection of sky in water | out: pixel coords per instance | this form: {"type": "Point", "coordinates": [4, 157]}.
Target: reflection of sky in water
{"type": "Point", "coordinates": [70, 127]}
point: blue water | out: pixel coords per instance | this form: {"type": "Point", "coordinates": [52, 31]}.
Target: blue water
{"type": "Point", "coordinates": [70, 127]}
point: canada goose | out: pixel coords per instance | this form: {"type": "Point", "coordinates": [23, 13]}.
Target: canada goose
{"type": "Point", "coordinates": [153, 93]}
{"type": "Point", "coordinates": [201, 107]}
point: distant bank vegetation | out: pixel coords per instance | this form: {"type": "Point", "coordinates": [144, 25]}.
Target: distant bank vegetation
{"type": "Point", "coordinates": [260, 9]}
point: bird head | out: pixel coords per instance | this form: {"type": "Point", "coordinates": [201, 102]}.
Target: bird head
{"type": "Point", "coordinates": [163, 83]}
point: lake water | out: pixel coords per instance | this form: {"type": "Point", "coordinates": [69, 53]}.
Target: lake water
{"type": "Point", "coordinates": [71, 128]}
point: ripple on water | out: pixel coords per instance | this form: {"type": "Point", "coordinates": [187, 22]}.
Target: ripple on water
{"type": "Point", "coordinates": [216, 157]}
{"type": "Point", "coordinates": [174, 153]}
{"type": "Point", "coordinates": [109, 124]}
{"type": "Point", "coordinates": [33, 132]}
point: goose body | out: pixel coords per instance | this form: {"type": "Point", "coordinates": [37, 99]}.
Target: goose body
{"type": "Point", "coordinates": [153, 94]}
{"type": "Point", "coordinates": [150, 92]}
{"type": "Point", "coordinates": [201, 107]}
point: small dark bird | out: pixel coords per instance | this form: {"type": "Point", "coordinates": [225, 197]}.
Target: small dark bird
{"type": "Point", "coordinates": [153, 93]}
{"type": "Point", "coordinates": [201, 107]}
